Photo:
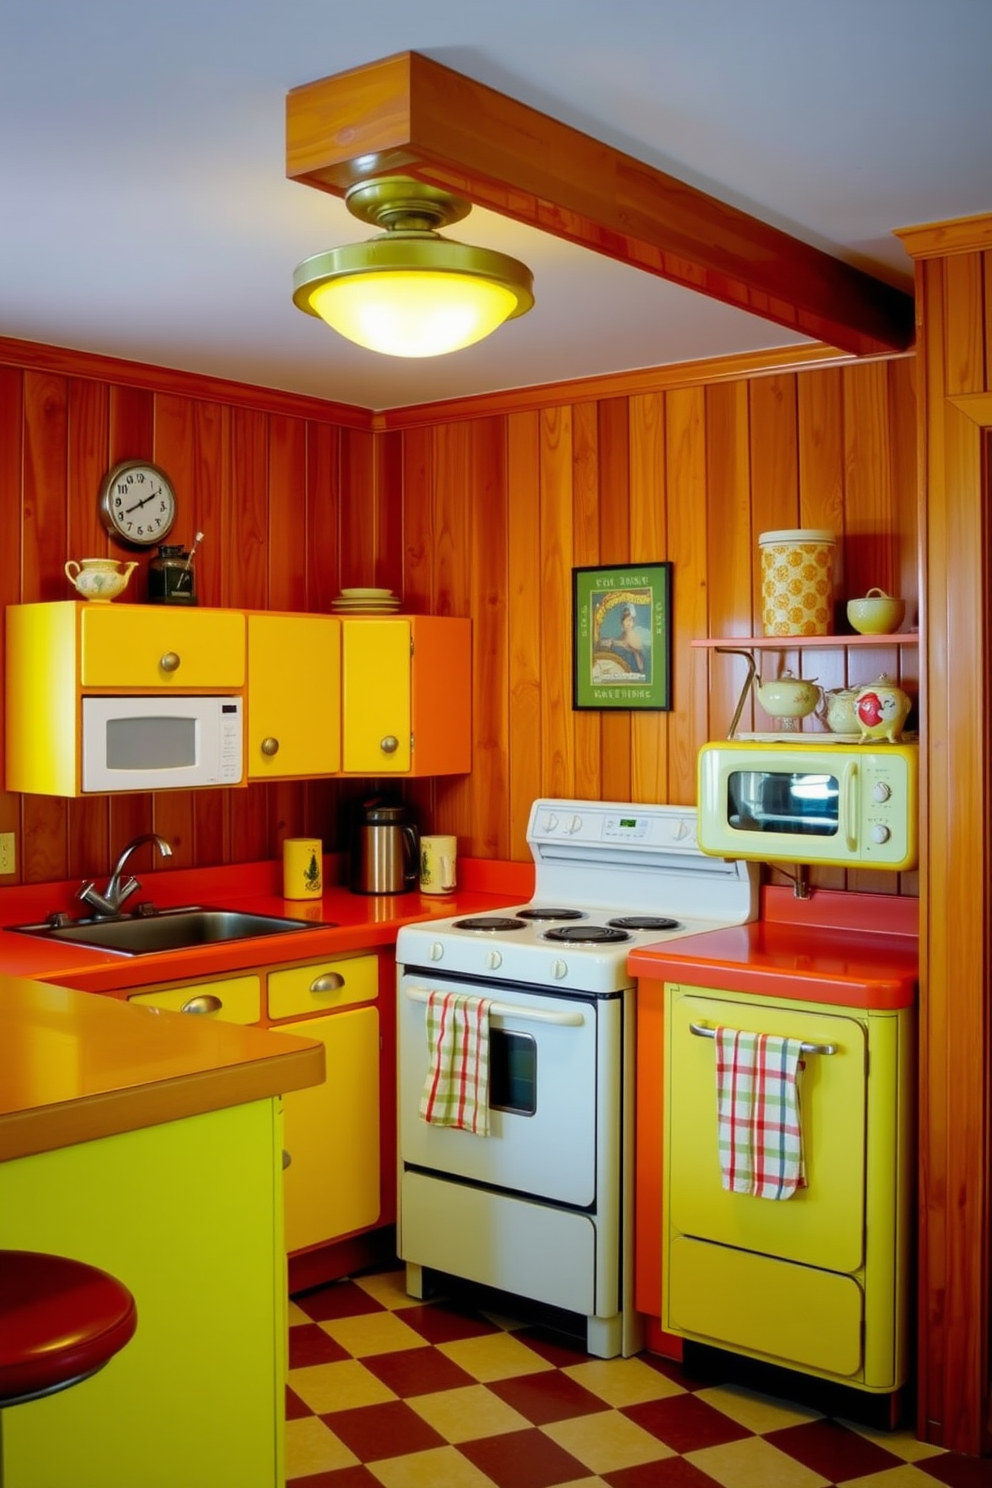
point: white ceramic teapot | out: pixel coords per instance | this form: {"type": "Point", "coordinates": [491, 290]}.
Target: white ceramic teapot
{"type": "Point", "coordinates": [788, 696]}
{"type": "Point", "coordinates": [99, 579]}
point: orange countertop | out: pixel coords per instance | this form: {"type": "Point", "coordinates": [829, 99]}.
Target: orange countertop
{"type": "Point", "coordinates": [74, 1067]}
{"type": "Point", "coordinates": [819, 950]}
{"type": "Point", "coordinates": [342, 921]}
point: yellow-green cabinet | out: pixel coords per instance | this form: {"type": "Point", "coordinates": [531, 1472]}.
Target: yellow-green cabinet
{"type": "Point", "coordinates": [294, 696]}
{"type": "Point", "coordinates": [189, 1215]}
{"type": "Point", "coordinates": [59, 653]}
{"type": "Point", "coordinates": [406, 685]}
{"type": "Point", "coordinates": [332, 1131]}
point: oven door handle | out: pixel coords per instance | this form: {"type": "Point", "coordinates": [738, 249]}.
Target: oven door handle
{"type": "Point", "coordinates": [574, 1018]}
{"type": "Point", "coordinates": [702, 1031]}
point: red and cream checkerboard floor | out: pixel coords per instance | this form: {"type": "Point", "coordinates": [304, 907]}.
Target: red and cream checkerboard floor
{"type": "Point", "coordinates": [387, 1392]}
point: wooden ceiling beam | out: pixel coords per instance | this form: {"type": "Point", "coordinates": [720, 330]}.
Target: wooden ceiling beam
{"type": "Point", "coordinates": [410, 115]}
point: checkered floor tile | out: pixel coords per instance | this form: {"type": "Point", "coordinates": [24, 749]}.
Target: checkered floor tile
{"type": "Point", "coordinates": [388, 1392]}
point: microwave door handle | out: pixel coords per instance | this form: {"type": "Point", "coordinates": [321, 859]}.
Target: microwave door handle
{"type": "Point", "coordinates": [850, 796]}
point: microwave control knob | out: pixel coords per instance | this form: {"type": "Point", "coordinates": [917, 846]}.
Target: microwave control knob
{"type": "Point", "coordinates": [880, 791]}
{"type": "Point", "coordinates": [880, 833]}
{"type": "Point", "coordinates": [494, 960]}
{"type": "Point", "coordinates": [436, 951]}
{"type": "Point", "coordinates": [559, 969]}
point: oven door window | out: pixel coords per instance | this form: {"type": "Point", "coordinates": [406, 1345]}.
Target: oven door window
{"type": "Point", "coordinates": [512, 1072]}
{"type": "Point", "coordinates": [802, 803]}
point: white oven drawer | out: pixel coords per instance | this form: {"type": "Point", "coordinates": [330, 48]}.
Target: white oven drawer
{"type": "Point", "coordinates": [552, 1151]}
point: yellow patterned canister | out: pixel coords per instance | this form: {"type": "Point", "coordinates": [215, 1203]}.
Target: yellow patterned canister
{"type": "Point", "coordinates": [797, 581]}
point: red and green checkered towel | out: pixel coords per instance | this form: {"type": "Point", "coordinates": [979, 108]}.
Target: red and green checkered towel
{"type": "Point", "coordinates": [760, 1136]}
{"type": "Point", "coordinates": [456, 1092]}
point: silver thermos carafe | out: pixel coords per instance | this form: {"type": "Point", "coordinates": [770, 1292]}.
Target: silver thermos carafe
{"type": "Point", "coordinates": [384, 850]}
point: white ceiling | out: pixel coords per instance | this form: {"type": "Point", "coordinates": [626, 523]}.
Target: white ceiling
{"type": "Point", "coordinates": [145, 213]}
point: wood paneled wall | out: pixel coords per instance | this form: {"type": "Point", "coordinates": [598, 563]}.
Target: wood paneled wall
{"type": "Point", "coordinates": [482, 512]}
{"type": "Point", "coordinates": [263, 476]}
{"type": "Point", "coordinates": [497, 510]}
{"type": "Point", "coordinates": [954, 300]}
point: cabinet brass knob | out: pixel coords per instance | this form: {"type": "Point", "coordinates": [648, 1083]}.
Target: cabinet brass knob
{"type": "Point", "coordinates": [204, 1002]}
{"type": "Point", "coordinates": [170, 662]}
{"type": "Point", "coordinates": [389, 744]}
{"type": "Point", "coordinates": [270, 747]}
{"type": "Point", "coordinates": [331, 981]}
{"type": "Point", "coordinates": [287, 1158]}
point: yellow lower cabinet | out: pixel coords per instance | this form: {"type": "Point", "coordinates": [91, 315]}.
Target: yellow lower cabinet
{"type": "Point", "coordinates": [188, 1215]}
{"type": "Point", "coordinates": [332, 1132]}
{"type": "Point", "coordinates": [230, 1000]}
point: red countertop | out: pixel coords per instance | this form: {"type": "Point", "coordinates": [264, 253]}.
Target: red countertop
{"type": "Point", "coordinates": [852, 950]}
{"type": "Point", "coordinates": [342, 921]}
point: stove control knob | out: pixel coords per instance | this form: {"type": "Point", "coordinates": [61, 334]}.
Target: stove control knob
{"type": "Point", "coordinates": [550, 822]}
{"type": "Point", "coordinates": [880, 833]}
{"type": "Point", "coordinates": [494, 960]}
{"type": "Point", "coordinates": [681, 829]}
{"type": "Point", "coordinates": [559, 969]}
{"type": "Point", "coordinates": [880, 791]}
{"type": "Point", "coordinates": [436, 951]}
{"type": "Point", "coordinates": [574, 823]}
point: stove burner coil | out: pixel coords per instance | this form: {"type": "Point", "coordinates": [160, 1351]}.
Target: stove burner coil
{"type": "Point", "coordinates": [489, 922]}
{"type": "Point", "coordinates": [538, 912]}
{"type": "Point", "coordinates": [586, 934]}
{"type": "Point", "coordinates": [645, 922]}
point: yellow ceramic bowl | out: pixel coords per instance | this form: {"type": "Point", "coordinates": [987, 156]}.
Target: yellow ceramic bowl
{"type": "Point", "coordinates": [877, 614]}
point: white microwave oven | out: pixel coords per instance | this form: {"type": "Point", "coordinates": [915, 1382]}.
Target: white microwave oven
{"type": "Point", "coordinates": [161, 743]}
{"type": "Point", "coordinates": [838, 805]}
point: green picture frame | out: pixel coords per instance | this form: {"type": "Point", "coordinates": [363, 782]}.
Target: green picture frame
{"type": "Point", "coordinates": [621, 638]}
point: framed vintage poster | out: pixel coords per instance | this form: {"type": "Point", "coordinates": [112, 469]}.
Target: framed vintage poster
{"type": "Point", "coordinates": [621, 637]}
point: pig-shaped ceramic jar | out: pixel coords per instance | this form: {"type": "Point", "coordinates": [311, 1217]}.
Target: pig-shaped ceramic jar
{"type": "Point", "coordinates": [881, 709]}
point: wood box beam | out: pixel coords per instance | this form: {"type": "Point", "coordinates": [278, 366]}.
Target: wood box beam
{"type": "Point", "coordinates": [407, 114]}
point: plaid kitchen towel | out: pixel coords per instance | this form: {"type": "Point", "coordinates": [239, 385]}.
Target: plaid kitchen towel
{"type": "Point", "coordinates": [456, 1092]}
{"type": "Point", "coordinates": [760, 1136]}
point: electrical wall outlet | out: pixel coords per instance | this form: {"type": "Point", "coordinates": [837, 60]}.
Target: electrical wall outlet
{"type": "Point", "coordinates": [7, 864]}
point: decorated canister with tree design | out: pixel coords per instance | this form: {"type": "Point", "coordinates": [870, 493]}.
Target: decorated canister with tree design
{"type": "Point", "coordinates": [302, 876]}
{"type": "Point", "coordinates": [797, 581]}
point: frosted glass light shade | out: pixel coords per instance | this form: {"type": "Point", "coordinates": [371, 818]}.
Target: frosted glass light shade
{"type": "Point", "coordinates": [413, 314]}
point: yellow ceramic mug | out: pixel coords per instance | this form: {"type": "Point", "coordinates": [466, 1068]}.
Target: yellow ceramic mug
{"type": "Point", "coordinates": [302, 876]}
{"type": "Point", "coordinates": [438, 857]}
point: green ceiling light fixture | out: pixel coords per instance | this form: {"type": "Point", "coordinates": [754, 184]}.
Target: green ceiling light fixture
{"type": "Point", "coordinates": [411, 292]}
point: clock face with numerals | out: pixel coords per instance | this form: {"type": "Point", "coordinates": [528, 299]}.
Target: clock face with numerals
{"type": "Point", "coordinates": [137, 503]}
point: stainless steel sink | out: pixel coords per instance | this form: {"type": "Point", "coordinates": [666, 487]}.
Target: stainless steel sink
{"type": "Point", "coordinates": [166, 929]}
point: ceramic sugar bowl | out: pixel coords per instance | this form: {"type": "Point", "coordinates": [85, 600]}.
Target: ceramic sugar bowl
{"type": "Point", "coordinates": [99, 579]}
{"type": "Point", "coordinates": [882, 709]}
{"type": "Point", "coordinates": [838, 710]}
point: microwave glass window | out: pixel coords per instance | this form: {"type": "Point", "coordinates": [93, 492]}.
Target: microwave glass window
{"type": "Point", "coordinates": [151, 743]}
{"type": "Point", "coordinates": [512, 1072]}
{"type": "Point", "coordinates": [802, 803]}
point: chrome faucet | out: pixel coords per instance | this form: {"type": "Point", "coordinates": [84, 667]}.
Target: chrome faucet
{"type": "Point", "coordinates": [118, 889]}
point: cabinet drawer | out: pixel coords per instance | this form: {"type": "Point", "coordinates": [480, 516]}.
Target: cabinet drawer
{"type": "Point", "coordinates": [323, 986]}
{"type": "Point", "coordinates": [794, 1314]}
{"type": "Point", "coordinates": [239, 999]}
{"type": "Point", "coordinates": [123, 646]}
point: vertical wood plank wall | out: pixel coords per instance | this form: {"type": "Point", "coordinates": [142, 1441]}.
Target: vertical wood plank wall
{"type": "Point", "coordinates": [483, 515]}
{"type": "Point", "coordinates": [954, 308]}
{"type": "Point", "coordinates": [262, 475]}
{"type": "Point", "coordinates": [498, 509]}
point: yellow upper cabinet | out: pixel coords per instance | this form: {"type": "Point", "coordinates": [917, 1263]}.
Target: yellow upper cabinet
{"type": "Point", "coordinates": [294, 696]}
{"type": "Point", "coordinates": [406, 695]}
{"type": "Point", "coordinates": [148, 646]}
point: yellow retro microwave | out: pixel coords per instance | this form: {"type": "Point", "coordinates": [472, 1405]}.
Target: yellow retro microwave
{"type": "Point", "coordinates": [842, 805]}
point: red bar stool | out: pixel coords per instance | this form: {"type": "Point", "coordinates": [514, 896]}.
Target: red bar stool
{"type": "Point", "coordinates": [60, 1322]}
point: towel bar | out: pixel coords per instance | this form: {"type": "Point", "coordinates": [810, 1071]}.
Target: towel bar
{"type": "Point", "coordinates": [572, 1019]}
{"type": "Point", "coordinates": [701, 1031]}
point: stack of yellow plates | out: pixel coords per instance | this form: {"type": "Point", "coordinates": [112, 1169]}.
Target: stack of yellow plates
{"type": "Point", "coordinates": [365, 602]}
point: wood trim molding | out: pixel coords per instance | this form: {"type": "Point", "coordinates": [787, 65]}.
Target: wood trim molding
{"type": "Point", "coordinates": [703, 373]}
{"type": "Point", "coordinates": [976, 406]}
{"type": "Point", "coordinates": [938, 239]}
{"type": "Point", "coordinates": [65, 362]}
{"type": "Point", "coordinates": [410, 115]}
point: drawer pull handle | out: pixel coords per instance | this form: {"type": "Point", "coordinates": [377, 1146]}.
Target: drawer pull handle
{"type": "Point", "coordinates": [331, 981]}
{"type": "Point", "coordinates": [701, 1031]}
{"type": "Point", "coordinates": [389, 744]}
{"type": "Point", "coordinates": [204, 1002]}
{"type": "Point", "coordinates": [270, 747]}
{"type": "Point", "coordinates": [170, 662]}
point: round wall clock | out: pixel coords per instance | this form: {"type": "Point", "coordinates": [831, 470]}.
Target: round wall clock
{"type": "Point", "coordinates": [137, 503]}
